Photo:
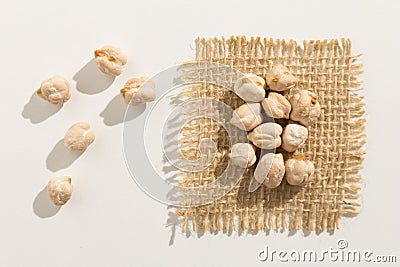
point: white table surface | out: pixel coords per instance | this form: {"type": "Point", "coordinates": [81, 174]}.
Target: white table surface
{"type": "Point", "coordinates": [109, 221]}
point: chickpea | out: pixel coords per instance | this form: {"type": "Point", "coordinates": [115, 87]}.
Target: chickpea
{"type": "Point", "coordinates": [110, 60]}
{"type": "Point", "coordinates": [299, 171]}
{"type": "Point", "coordinates": [266, 135]}
{"type": "Point", "coordinates": [60, 190]}
{"type": "Point", "coordinates": [243, 155]}
{"type": "Point", "coordinates": [79, 137]}
{"type": "Point", "coordinates": [270, 170]}
{"type": "Point", "coordinates": [250, 88]}
{"type": "Point", "coordinates": [276, 106]}
{"type": "Point", "coordinates": [247, 116]}
{"type": "Point", "coordinates": [305, 107]}
{"type": "Point", "coordinates": [55, 90]}
{"type": "Point", "coordinates": [294, 136]}
{"type": "Point", "coordinates": [138, 90]}
{"type": "Point", "coordinates": [280, 79]}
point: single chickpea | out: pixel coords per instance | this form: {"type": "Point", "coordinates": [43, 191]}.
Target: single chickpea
{"type": "Point", "coordinates": [276, 106]}
{"type": "Point", "coordinates": [294, 136]}
{"type": "Point", "coordinates": [305, 107]}
{"type": "Point", "coordinates": [79, 136]}
{"type": "Point", "coordinates": [247, 116]}
{"type": "Point", "coordinates": [266, 135]}
{"type": "Point", "coordinates": [243, 155]}
{"type": "Point", "coordinates": [280, 79]}
{"type": "Point", "coordinates": [110, 60]}
{"type": "Point", "coordinates": [299, 171]}
{"type": "Point", "coordinates": [250, 88]}
{"type": "Point", "coordinates": [138, 90]}
{"type": "Point", "coordinates": [270, 170]}
{"type": "Point", "coordinates": [60, 190]}
{"type": "Point", "coordinates": [55, 90]}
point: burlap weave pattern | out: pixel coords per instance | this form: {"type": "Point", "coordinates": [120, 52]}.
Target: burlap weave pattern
{"type": "Point", "coordinates": [335, 142]}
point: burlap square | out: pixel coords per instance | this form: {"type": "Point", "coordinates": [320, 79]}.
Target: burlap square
{"type": "Point", "coordinates": [335, 142]}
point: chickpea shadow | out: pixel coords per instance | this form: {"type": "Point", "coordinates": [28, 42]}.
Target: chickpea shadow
{"type": "Point", "coordinates": [117, 111]}
{"type": "Point", "coordinates": [38, 110]}
{"type": "Point", "coordinates": [42, 205]}
{"type": "Point", "coordinates": [90, 80]}
{"type": "Point", "coordinates": [60, 157]}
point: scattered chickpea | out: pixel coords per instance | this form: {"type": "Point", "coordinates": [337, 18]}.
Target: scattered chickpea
{"type": "Point", "coordinates": [276, 106]}
{"type": "Point", "coordinates": [266, 135]}
{"type": "Point", "coordinates": [247, 116]}
{"type": "Point", "coordinates": [299, 171]}
{"type": "Point", "coordinates": [138, 90]}
{"type": "Point", "coordinates": [110, 60]}
{"type": "Point", "coordinates": [79, 137]}
{"type": "Point", "coordinates": [250, 88]}
{"type": "Point", "coordinates": [55, 90]}
{"type": "Point", "coordinates": [270, 170]}
{"type": "Point", "coordinates": [294, 136]}
{"type": "Point", "coordinates": [60, 190]}
{"type": "Point", "coordinates": [280, 79]}
{"type": "Point", "coordinates": [243, 155]}
{"type": "Point", "coordinates": [305, 107]}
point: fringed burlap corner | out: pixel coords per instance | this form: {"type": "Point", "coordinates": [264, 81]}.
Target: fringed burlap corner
{"type": "Point", "coordinates": [335, 142]}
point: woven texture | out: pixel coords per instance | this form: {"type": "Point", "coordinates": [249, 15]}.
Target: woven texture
{"type": "Point", "coordinates": [335, 142]}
